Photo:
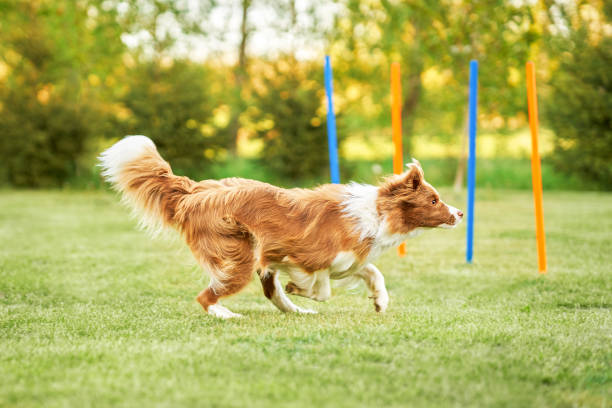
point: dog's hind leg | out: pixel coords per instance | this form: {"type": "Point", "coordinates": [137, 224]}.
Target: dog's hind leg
{"type": "Point", "coordinates": [230, 262]}
{"type": "Point", "coordinates": [273, 289]}
{"type": "Point", "coordinates": [375, 282]}
{"type": "Point", "coordinates": [224, 282]}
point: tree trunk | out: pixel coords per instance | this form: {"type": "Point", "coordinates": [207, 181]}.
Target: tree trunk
{"type": "Point", "coordinates": [244, 36]}
{"type": "Point", "coordinates": [239, 78]}
{"type": "Point", "coordinates": [460, 174]}
{"type": "Point", "coordinates": [412, 96]}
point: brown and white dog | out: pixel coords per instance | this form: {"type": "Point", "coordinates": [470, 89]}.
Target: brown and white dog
{"type": "Point", "coordinates": [236, 226]}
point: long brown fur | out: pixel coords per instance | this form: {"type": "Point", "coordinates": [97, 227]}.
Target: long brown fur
{"type": "Point", "coordinates": [236, 226]}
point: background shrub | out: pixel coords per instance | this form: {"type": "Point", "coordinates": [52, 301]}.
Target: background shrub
{"type": "Point", "coordinates": [172, 106]}
{"type": "Point", "coordinates": [579, 111]}
{"type": "Point", "coordinates": [41, 143]}
{"type": "Point", "coordinates": [292, 120]}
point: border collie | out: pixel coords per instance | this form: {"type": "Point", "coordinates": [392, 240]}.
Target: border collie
{"type": "Point", "coordinates": [235, 226]}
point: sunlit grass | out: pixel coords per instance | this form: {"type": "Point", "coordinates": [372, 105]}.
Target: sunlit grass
{"type": "Point", "coordinates": [490, 145]}
{"type": "Point", "coordinates": [94, 313]}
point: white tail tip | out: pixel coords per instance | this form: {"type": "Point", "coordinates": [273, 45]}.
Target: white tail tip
{"type": "Point", "coordinates": [113, 159]}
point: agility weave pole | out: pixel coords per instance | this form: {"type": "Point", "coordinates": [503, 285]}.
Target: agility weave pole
{"type": "Point", "coordinates": [536, 170]}
{"type": "Point", "coordinates": [332, 141]}
{"type": "Point", "coordinates": [396, 126]}
{"type": "Point", "coordinates": [472, 117]}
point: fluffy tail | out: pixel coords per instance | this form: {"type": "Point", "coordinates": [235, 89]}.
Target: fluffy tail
{"type": "Point", "coordinates": [135, 169]}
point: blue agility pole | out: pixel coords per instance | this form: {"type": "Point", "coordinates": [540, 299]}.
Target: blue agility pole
{"type": "Point", "coordinates": [331, 125]}
{"type": "Point", "coordinates": [473, 102]}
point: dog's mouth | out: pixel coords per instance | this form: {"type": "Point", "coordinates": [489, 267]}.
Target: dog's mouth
{"type": "Point", "coordinates": [455, 219]}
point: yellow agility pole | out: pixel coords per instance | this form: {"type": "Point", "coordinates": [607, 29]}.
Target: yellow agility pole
{"type": "Point", "coordinates": [396, 126]}
{"type": "Point", "coordinates": [536, 171]}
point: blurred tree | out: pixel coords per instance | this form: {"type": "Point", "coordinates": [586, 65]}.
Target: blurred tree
{"type": "Point", "coordinates": [66, 68]}
{"type": "Point", "coordinates": [282, 100]}
{"type": "Point", "coordinates": [579, 107]}
{"type": "Point", "coordinates": [171, 105]}
{"type": "Point", "coordinates": [499, 35]}
{"type": "Point", "coordinates": [290, 119]}
{"type": "Point", "coordinates": [51, 53]}
{"type": "Point", "coordinates": [42, 137]}
{"type": "Point", "coordinates": [434, 41]}
{"type": "Point", "coordinates": [154, 28]}
{"type": "Point", "coordinates": [369, 36]}
{"type": "Point", "coordinates": [73, 73]}
{"type": "Point", "coordinates": [168, 98]}
{"type": "Point", "coordinates": [282, 21]}
{"type": "Point", "coordinates": [240, 78]}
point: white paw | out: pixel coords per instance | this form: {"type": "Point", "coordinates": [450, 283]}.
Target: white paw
{"type": "Point", "coordinates": [222, 312]}
{"type": "Point", "coordinates": [301, 310]}
{"type": "Point", "coordinates": [381, 301]}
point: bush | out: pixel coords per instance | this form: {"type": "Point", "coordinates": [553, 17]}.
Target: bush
{"type": "Point", "coordinates": [171, 105]}
{"type": "Point", "coordinates": [580, 111]}
{"type": "Point", "coordinates": [291, 121]}
{"type": "Point", "coordinates": [47, 116]}
{"type": "Point", "coordinates": [41, 141]}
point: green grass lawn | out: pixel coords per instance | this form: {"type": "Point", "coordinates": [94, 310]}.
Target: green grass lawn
{"type": "Point", "coordinates": [95, 313]}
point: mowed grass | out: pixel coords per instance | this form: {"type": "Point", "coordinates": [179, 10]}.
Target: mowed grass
{"type": "Point", "coordinates": [95, 313]}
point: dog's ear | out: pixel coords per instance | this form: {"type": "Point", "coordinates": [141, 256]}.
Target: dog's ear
{"type": "Point", "coordinates": [401, 184]}
{"type": "Point", "coordinates": [414, 162]}
{"type": "Point", "coordinates": [414, 177]}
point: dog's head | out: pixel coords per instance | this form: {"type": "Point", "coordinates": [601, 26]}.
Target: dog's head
{"type": "Point", "coordinates": [407, 202]}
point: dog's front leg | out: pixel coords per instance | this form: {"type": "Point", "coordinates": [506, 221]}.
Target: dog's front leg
{"type": "Point", "coordinates": [274, 291]}
{"type": "Point", "coordinates": [375, 282]}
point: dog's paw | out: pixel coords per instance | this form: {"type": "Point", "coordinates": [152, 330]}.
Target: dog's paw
{"type": "Point", "coordinates": [301, 310]}
{"type": "Point", "coordinates": [381, 302]}
{"type": "Point", "coordinates": [222, 312]}
{"type": "Point", "coordinates": [292, 288]}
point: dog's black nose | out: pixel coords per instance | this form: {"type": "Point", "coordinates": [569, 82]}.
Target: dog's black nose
{"type": "Point", "coordinates": [460, 213]}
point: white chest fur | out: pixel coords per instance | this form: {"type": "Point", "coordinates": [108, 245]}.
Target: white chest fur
{"type": "Point", "coordinates": [343, 262]}
{"type": "Point", "coordinates": [360, 206]}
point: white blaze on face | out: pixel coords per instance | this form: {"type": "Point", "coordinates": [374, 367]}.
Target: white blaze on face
{"type": "Point", "coordinates": [455, 213]}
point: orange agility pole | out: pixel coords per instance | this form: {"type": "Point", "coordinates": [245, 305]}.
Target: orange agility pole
{"type": "Point", "coordinates": [396, 125]}
{"type": "Point", "coordinates": [536, 171]}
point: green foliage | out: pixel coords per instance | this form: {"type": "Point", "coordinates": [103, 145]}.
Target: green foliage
{"type": "Point", "coordinates": [491, 174]}
{"type": "Point", "coordinates": [291, 122]}
{"type": "Point", "coordinates": [434, 41]}
{"type": "Point", "coordinates": [580, 110]}
{"type": "Point", "coordinates": [172, 106]}
{"type": "Point", "coordinates": [46, 118]}
{"type": "Point", "coordinates": [497, 173]}
{"type": "Point", "coordinates": [165, 22]}
{"type": "Point", "coordinates": [67, 74]}
{"type": "Point", "coordinates": [74, 74]}
{"type": "Point", "coordinates": [41, 143]}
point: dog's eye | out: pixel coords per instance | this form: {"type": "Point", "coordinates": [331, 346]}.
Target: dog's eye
{"type": "Point", "coordinates": [434, 201]}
